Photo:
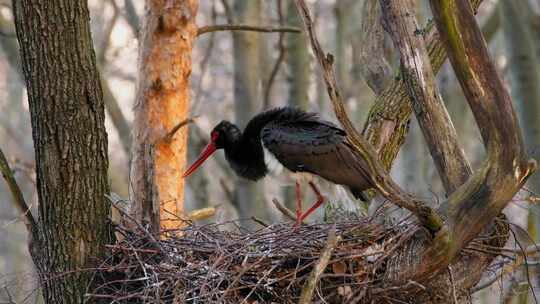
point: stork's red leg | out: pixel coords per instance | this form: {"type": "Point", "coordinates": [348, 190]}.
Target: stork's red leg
{"type": "Point", "coordinates": [298, 203]}
{"type": "Point", "coordinates": [320, 200]}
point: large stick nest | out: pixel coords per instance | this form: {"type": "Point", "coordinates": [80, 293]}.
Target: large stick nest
{"type": "Point", "coordinates": [210, 264]}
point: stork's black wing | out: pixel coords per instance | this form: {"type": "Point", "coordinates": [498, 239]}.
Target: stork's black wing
{"type": "Point", "coordinates": [318, 147]}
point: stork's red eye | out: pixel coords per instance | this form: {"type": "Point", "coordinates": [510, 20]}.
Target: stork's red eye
{"type": "Point", "coordinates": [214, 135]}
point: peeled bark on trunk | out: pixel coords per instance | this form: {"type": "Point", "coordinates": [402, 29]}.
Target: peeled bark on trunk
{"type": "Point", "coordinates": [248, 196]}
{"type": "Point", "coordinates": [70, 143]}
{"type": "Point", "coordinates": [162, 102]}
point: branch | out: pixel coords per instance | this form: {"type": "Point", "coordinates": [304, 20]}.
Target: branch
{"type": "Point", "coordinates": [373, 64]}
{"type": "Point", "coordinates": [433, 118]}
{"type": "Point", "coordinates": [475, 205]}
{"type": "Point", "coordinates": [18, 198]}
{"type": "Point", "coordinates": [284, 210]}
{"type": "Point", "coordinates": [279, 60]}
{"type": "Point", "coordinates": [132, 17]}
{"type": "Point", "coordinates": [105, 43]}
{"type": "Point", "coordinates": [375, 171]}
{"type": "Point", "coordinates": [245, 27]}
{"type": "Point", "coordinates": [178, 126]}
{"type": "Point", "coordinates": [326, 254]}
{"type": "Point", "coordinates": [388, 120]}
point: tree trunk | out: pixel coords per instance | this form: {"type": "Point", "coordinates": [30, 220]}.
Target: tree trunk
{"type": "Point", "coordinates": [248, 196]}
{"type": "Point", "coordinates": [70, 142]}
{"type": "Point", "coordinates": [162, 103]}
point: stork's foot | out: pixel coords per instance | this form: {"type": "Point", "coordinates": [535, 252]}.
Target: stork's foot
{"type": "Point", "coordinates": [320, 200]}
{"type": "Point", "coordinates": [298, 206]}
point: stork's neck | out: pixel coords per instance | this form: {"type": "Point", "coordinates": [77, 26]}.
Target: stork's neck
{"type": "Point", "coordinates": [245, 154]}
{"type": "Point", "coordinates": [244, 150]}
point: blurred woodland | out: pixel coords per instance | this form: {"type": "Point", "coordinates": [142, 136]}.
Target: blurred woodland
{"type": "Point", "coordinates": [237, 74]}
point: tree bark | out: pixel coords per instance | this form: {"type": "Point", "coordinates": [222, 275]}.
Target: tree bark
{"type": "Point", "coordinates": [70, 143]}
{"type": "Point", "coordinates": [432, 116]}
{"type": "Point", "coordinates": [162, 102]}
{"type": "Point", "coordinates": [387, 122]}
{"type": "Point", "coordinates": [248, 196]}
{"type": "Point", "coordinates": [368, 46]}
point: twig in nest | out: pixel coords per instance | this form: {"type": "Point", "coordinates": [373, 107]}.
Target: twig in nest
{"type": "Point", "coordinates": [245, 27]}
{"type": "Point", "coordinates": [284, 210]}
{"type": "Point", "coordinates": [309, 287]}
{"type": "Point", "coordinates": [18, 198]}
{"type": "Point", "coordinates": [259, 221]}
{"type": "Point", "coordinates": [131, 249]}
{"type": "Point", "coordinates": [453, 284]}
{"type": "Point", "coordinates": [114, 200]}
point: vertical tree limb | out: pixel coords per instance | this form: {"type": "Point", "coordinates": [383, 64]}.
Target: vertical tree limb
{"type": "Point", "coordinates": [434, 121]}
{"type": "Point", "coordinates": [70, 142]}
{"type": "Point", "coordinates": [162, 102]}
{"type": "Point", "coordinates": [374, 66]}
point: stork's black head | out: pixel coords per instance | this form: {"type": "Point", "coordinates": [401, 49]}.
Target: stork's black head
{"type": "Point", "coordinates": [225, 134]}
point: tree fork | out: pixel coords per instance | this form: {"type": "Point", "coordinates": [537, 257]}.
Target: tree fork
{"type": "Point", "coordinates": [387, 123]}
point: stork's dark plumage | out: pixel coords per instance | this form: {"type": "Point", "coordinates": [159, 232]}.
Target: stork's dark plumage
{"type": "Point", "coordinates": [300, 141]}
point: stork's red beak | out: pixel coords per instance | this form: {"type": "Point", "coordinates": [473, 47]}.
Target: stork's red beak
{"type": "Point", "coordinates": [210, 148]}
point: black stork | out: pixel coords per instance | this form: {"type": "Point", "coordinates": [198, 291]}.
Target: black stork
{"type": "Point", "coordinates": [299, 141]}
